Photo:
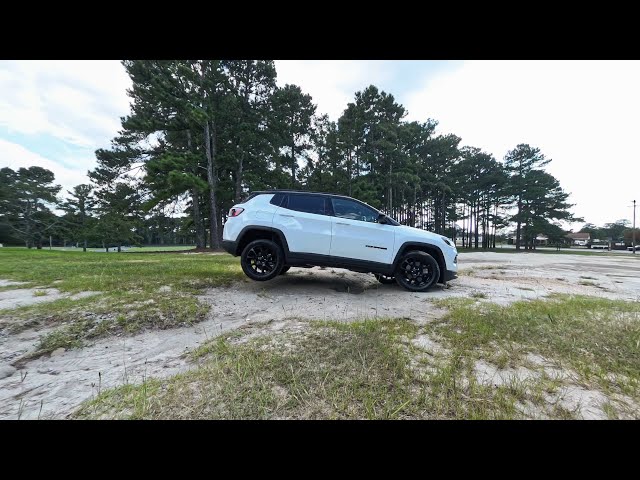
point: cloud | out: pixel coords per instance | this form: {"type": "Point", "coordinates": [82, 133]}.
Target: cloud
{"type": "Point", "coordinates": [78, 101]}
{"type": "Point", "coordinates": [16, 156]}
{"type": "Point", "coordinates": [331, 83]}
{"type": "Point", "coordinates": [582, 114]}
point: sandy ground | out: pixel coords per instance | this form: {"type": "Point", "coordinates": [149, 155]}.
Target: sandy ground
{"type": "Point", "coordinates": [53, 386]}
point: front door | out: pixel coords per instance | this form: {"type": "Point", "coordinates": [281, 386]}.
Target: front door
{"type": "Point", "coordinates": [356, 233]}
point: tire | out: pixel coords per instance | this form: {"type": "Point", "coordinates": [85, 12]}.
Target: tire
{"type": "Point", "coordinates": [385, 279]}
{"type": "Point", "coordinates": [284, 270]}
{"type": "Point", "coordinates": [417, 271]}
{"type": "Point", "coordinates": [262, 260]}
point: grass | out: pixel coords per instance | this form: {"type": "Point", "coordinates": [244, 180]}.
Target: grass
{"type": "Point", "coordinates": [77, 271]}
{"type": "Point", "coordinates": [598, 338]}
{"type": "Point", "coordinates": [158, 248]}
{"type": "Point", "coordinates": [360, 370]}
{"type": "Point", "coordinates": [333, 370]}
{"type": "Point", "coordinates": [132, 289]}
{"type": "Point", "coordinates": [378, 369]}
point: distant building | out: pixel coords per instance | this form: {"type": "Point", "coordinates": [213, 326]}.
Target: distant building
{"type": "Point", "coordinates": [580, 239]}
{"type": "Point", "coordinates": [541, 239]}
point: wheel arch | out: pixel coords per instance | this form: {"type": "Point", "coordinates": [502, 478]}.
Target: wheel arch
{"type": "Point", "coordinates": [429, 248]}
{"type": "Point", "coordinates": [251, 233]}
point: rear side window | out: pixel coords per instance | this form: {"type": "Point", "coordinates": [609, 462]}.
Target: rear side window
{"type": "Point", "coordinates": [307, 203]}
{"type": "Point", "coordinates": [277, 199]}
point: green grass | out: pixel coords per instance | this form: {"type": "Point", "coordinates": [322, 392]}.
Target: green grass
{"type": "Point", "coordinates": [377, 369]}
{"type": "Point", "coordinates": [333, 370]}
{"type": "Point", "coordinates": [598, 338]}
{"type": "Point", "coordinates": [132, 288]}
{"type": "Point", "coordinates": [158, 248]}
{"type": "Point", "coordinates": [77, 271]}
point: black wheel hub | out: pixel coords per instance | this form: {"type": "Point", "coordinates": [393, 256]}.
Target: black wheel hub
{"type": "Point", "coordinates": [262, 260]}
{"type": "Point", "coordinates": [415, 272]}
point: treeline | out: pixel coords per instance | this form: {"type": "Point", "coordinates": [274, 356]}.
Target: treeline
{"type": "Point", "coordinates": [32, 213]}
{"type": "Point", "coordinates": [618, 231]}
{"type": "Point", "coordinates": [201, 134]}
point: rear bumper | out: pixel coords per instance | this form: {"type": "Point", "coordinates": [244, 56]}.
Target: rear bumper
{"type": "Point", "coordinates": [230, 246]}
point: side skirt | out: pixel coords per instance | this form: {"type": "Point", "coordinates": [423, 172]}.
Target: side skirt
{"type": "Point", "coordinates": [361, 266]}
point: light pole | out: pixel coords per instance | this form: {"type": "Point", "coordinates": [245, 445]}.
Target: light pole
{"type": "Point", "coordinates": [633, 232]}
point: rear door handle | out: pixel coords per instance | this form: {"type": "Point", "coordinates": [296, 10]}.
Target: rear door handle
{"type": "Point", "coordinates": [341, 223]}
{"type": "Point", "coordinates": [283, 215]}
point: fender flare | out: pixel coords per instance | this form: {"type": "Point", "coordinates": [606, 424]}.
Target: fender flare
{"type": "Point", "coordinates": [439, 256]}
{"type": "Point", "coordinates": [253, 228]}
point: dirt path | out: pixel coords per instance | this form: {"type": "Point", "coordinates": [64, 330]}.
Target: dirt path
{"type": "Point", "coordinates": [52, 387]}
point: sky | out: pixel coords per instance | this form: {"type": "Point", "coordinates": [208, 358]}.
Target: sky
{"type": "Point", "coordinates": [584, 115]}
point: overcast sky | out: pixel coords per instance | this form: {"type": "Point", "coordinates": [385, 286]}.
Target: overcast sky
{"type": "Point", "coordinates": [585, 115]}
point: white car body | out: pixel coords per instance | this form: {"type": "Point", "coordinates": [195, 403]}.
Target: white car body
{"type": "Point", "coordinates": [326, 240]}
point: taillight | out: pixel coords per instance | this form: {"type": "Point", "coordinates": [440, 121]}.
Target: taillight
{"type": "Point", "coordinates": [235, 211]}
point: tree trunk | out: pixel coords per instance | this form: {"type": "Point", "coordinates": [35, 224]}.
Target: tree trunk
{"type": "Point", "coordinates": [238, 195]}
{"type": "Point", "coordinates": [84, 247]}
{"type": "Point", "coordinates": [197, 218]}
{"type": "Point", "coordinates": [210, 149]}
{"type": "Point", "coordinates": [519, 224]}
{"type": "Point", "coordinates": [293, 163]}
{"type": "Point", "coordinates": [390, 188]}
{"type": "Point", "coordinates": [477, 214]}
{"type": "Point", "coordinates": [119, 246]}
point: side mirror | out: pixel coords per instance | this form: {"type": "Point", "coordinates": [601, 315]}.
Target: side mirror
{"type": "Point", "coordinates": [382, 218]}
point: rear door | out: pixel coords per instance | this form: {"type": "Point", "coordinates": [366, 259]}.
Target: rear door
{"type": "Point", "coordinates": [356, 233]}
{"type": "Point", "coordinates": [304, 219]}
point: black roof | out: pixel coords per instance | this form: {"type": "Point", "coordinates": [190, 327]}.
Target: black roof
{"type": "Point", "coordinates": [258, 192]}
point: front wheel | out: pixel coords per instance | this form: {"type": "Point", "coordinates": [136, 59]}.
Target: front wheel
{"type": "Point", "coordinates": [285, 269]}
{"type": "Point", "coordinates": [385, 279]}
{"type": "Point", "coordinates": [417, 271]}
{"type": "Point", "coordinates": [262, 260]}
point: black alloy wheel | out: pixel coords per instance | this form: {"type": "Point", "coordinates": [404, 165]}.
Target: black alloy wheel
{"type": "Point", "coordinates": [417, 271]}
{"type": "Point", "coordinates": [385, 279]}
{"type": "Point", "coordinates": [262, 260]}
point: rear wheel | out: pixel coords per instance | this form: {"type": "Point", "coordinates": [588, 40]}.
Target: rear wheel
{"type": "Point", "coordinates": [386, 279]}
{"type": "Point", "coordinates": [262, 260]}
{"type": "Point", "coordinates": [417, 271]}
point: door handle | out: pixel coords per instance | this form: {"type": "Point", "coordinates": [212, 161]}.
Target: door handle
{"type": "Point", "coordinates": [341, 223]}
{"type": "Point", "coordinates": [283, 215]}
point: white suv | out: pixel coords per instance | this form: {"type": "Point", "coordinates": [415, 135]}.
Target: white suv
{"type": "Point", "coordinates": [275, 230]}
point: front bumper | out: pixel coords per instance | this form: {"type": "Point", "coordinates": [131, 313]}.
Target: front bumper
{"type": "Point", "coordinates": [230, 246]}
{"type": "Point", "coordinates": [450, 275]}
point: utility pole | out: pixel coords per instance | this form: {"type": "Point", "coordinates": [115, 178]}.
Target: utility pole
{"type": "Point", "coordinates": [633, 232]}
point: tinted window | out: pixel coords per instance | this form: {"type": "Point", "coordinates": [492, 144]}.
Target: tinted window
{"type": "Point", "coordinates": [307, 203]}
{"type": "Point", "coordinates": [353, 210]}
{"type": "Point", "coordinates": [277, 199]}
